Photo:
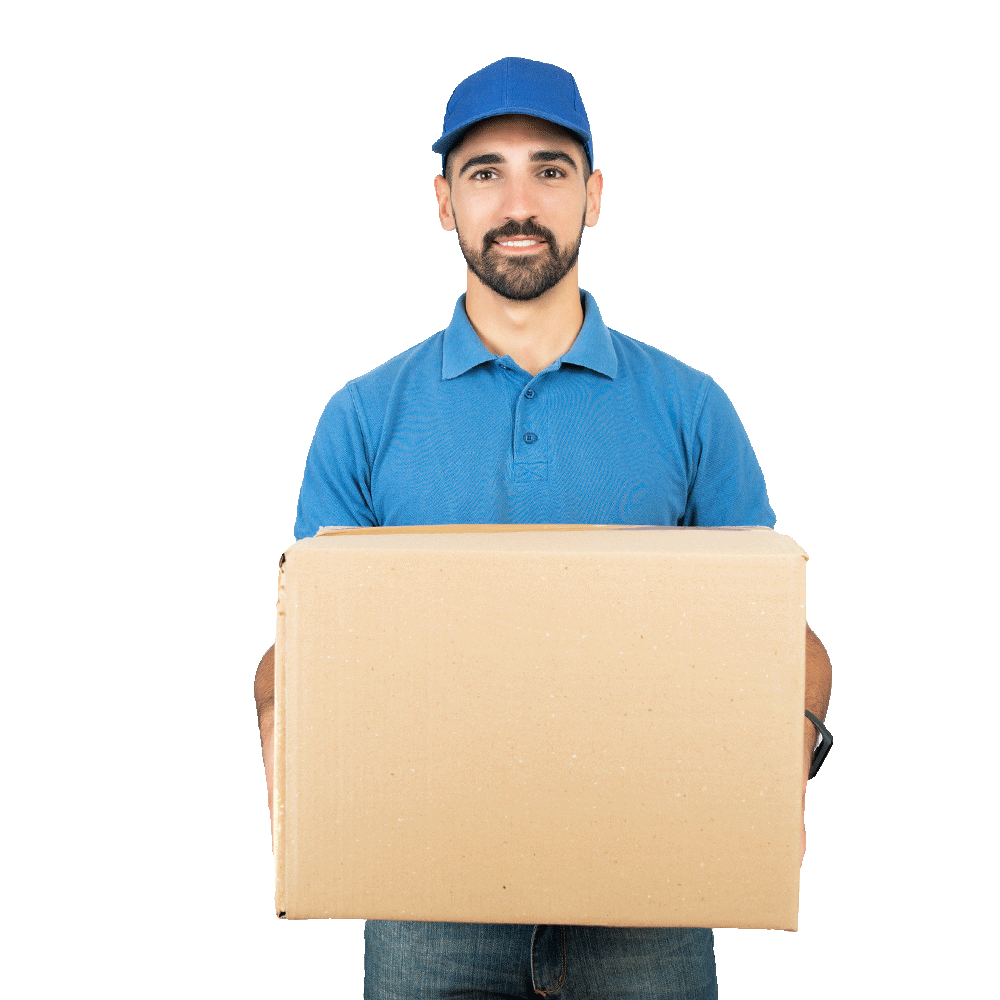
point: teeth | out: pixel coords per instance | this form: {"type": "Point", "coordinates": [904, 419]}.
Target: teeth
{"type": "Point", "coordinates": [519, 243]}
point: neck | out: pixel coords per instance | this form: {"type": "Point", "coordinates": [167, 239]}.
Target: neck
{"type": "Point", "coordinates": [533, 333]}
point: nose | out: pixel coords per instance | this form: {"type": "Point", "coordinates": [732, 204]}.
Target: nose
{"type": "Point", "coordinates": [518, 203]}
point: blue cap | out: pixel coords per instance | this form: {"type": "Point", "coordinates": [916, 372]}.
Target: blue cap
{"type": "Point", "coordinates": [515, 86]}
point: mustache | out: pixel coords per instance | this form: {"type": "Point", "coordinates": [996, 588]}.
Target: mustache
{"type": "Point", "coordinates": [508, 233]}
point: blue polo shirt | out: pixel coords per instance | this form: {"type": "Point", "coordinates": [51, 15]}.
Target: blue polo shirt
{"type": "Point", "coordinates": [613, 432]}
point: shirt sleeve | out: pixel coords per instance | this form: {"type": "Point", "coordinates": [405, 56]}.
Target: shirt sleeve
{"type": "Point", "coordinates": [336, 485]}
{"type": "Point", "coordinates": [726, 485]}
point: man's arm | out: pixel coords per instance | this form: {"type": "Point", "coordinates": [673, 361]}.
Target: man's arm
{"type": "Point", "coordinates": [263, 692]}
{"type": "Point", "coordinates": [819, 675]}
{"type": "Point", "coordinates": [819, 678]}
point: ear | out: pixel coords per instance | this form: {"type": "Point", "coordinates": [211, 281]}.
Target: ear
{"type": "Point", "coordinates": [595, 187]}
{"type": "Point", "coordinates": [442, 191]}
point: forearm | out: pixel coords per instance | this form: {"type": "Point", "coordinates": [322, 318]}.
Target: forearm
{"type": "Point", "coordinates": [263, 692]}
{"type": "Point", "coordinates": [819, 678]}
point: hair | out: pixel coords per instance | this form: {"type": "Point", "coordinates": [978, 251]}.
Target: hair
{"type": "Point", "coordinates": [584, 159]}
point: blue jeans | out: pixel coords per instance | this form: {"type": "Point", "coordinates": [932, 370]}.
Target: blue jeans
{"type": "Point", "coordinates": [410, 960]}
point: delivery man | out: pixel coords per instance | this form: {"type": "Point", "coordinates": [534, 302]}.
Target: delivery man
{"type": "Point", "coordinates": [528, 409]}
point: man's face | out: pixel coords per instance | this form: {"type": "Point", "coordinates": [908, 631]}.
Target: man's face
{"type": "Point", "coordinates": [518, 200]}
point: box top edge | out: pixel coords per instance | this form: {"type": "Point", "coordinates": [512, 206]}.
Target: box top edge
{"type": "Point", "coordinates": [448, 529]}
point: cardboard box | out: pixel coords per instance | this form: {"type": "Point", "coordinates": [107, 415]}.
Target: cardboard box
{"type": "Point", "coordinates": [541, 724]}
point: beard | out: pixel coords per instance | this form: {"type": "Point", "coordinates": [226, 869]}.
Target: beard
{"type": "Point", "coordinates": [521, 278]}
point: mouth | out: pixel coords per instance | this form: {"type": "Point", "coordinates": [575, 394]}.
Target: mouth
{"type": "Point", "coordinates": [525, 242]}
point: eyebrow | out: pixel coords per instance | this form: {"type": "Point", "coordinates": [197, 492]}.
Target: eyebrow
{"type": "Point", "coordinates": [541, 156]}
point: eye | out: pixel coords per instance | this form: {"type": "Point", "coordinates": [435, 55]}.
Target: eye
{"type": "Point", "coordinates": [552, 173]}
{"type": "Point", "coordinates": [484, 175]}
{"type": "Point", "coordinates": [547, 170]}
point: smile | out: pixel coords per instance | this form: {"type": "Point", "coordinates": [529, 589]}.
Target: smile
{"type": "Point", "coordinates": [518, 243]}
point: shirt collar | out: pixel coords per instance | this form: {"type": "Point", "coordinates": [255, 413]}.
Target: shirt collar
{"type": "Point", "coordinates": [592, 348]}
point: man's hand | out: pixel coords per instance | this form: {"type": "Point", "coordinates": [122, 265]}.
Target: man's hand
{"type": "Point", "coordinates": [809, 740]}
{"type": "Point", "coordinates": [802, 856]}
{"type": "Point", "coordinates": [819, 678]}
{"type": "Point", "coordinates": [263, 692]}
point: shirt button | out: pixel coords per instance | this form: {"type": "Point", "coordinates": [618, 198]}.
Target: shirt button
{"type": "Point", "coordinates": [530, 438]}
{"type": "Point", "coordinates": [530, 393]}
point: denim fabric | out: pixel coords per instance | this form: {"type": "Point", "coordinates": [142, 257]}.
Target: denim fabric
{"type": "Point", "coordinates": [409, 960]}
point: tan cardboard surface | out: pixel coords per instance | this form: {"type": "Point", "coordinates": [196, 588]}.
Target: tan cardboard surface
{"type": "Point", "coordinates": [541, 726]}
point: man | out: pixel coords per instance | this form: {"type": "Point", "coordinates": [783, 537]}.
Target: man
{"type": "Point", "coordinates": [528, 409]}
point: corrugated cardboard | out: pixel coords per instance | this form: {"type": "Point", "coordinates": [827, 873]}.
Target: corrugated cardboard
{"type": "Point", "coordinates": [532, 725]}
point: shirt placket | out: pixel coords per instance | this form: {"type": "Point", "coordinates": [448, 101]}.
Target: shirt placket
{"type": "Point", "coordinates": [530, 439]}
